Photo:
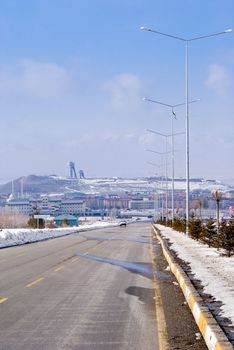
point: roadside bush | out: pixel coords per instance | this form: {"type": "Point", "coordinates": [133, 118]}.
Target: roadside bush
{"type": "Point", "coordinates": [65, 223]}
{"type": "Point", "coordinates": [169, 223]}
{"type": "Point", "coordinates": [12, 219]}
{"type": "Point", "coordinates": [195, 228]}
{"type": "Point", "coordinates": [209, 233]}
{"type": "Point", "coordinates": [179, 225]}
{"type": "Point", "coordinates": [36, 223]}
{"type": "Point", "coordinates": [161, 222]}
{"type": "Point", "coordinates": [227, 236]}
{"type": "Point", "coordinates": [51, 224]}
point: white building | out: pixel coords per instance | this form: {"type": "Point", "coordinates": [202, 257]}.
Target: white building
{"type": "Point", "coordinates": [20, 206]}
{"type": "Point", "coordinates": [47, 206]}
{"type": "Point", "coordinates": [144, 204]}
{"type": "Point", "coordinates": [72, 207]}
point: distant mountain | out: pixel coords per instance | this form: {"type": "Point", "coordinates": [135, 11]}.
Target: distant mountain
{"type": "Point", "coordinates": [37, 184]}
{"type": "Point", "coordinates": [230, 182]}
{"type": "Point", "coordinates": [34, 184]}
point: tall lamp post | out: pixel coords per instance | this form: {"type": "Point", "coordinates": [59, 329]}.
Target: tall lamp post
{"type": "Point", "coordinates": [187, 41]}
{"type": "Point", "coordinates": [217, 196]}
{"type": "Point", "coordinates": [166, 201]}
{"type": "Point", "coordinates": [172, 162]}
{"type": "Point", "coordinates": [156, 194]}
{"type": "Point", "coordinates": [173, 116]}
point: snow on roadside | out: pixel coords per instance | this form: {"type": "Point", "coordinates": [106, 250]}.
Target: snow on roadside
{"type": "Point", "coordinates": [215, 272]}
{"type": "Point", "coordinates": [13, 237]}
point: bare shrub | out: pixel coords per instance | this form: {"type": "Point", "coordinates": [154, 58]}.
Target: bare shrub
{"type": "Point", "coordinates": [12, 219]}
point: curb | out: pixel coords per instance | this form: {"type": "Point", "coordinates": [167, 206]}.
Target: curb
{"type": "Point", "coordinates": [213, 335]}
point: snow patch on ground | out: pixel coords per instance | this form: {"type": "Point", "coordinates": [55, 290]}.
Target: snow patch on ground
{"type": "Point", "coordinates": [215, 272]}
{"type": "Point", "coordinates": [12, 237]}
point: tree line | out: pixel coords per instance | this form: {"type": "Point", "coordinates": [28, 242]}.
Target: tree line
{"type": "Point", "coordinates": [221, 237]}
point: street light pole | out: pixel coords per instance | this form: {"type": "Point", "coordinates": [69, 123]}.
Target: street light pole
{"type": "Point", "coordinates": [172, 162]}
{"type": "Point", "coordinates": [166, 169]}
{"type": "Point", "coordinates": [187, 139]}
{"type": "Point", "coordinates": [172, 169]}
{"type": "Point", "coordinates": [173, 116]}
{"type": "Point", "coordinates": [156, 194]}
{"type": "Point", "coordinates": [187, 41]}
{"type": "Point", "coordinates": [165, 177]}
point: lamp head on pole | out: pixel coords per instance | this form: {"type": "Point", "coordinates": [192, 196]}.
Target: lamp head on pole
{"type": "Point", "coordinates": [173, 113]}
{"type": "Point", "coordinates": [145, 28]}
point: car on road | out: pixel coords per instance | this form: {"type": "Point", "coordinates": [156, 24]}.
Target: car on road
{"type": "Point", "coordinates": [123, 224]}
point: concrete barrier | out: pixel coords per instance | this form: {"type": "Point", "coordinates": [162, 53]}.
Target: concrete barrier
{"type": "Point", "coordinates": [213, 335]}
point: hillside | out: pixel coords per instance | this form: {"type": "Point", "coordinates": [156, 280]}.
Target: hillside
{"type": "Point", "coordinates": [34, 184]}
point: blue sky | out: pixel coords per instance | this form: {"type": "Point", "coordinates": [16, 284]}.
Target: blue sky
{"type": "Point", "coordinates": [73, 74]}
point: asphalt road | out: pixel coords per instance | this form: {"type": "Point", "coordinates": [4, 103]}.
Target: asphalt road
{"type": "Point", "coordinates": [103, 289]}
{"type": "Point", "coordinates": [79, 292]}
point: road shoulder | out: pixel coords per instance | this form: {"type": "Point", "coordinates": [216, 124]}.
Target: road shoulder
{"type": "Point", "coordinates": [182, 331]}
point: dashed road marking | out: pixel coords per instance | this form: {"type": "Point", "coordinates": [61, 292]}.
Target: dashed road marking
{"type": "Point", "coordinates": [22, 254]}
{"type": "Point", "coordinates": [60, 268]}
{"type": "Point", "coordinates": [2, 300]}
{"type": "Point", "coordinates": [31, 284]}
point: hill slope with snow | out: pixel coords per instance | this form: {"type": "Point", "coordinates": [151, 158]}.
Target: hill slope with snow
{"type": "Point", "coordinates": [56, 184]}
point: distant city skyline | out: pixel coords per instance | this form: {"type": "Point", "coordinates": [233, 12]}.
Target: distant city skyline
{"type": "Point", "coordinates": [72, 79]}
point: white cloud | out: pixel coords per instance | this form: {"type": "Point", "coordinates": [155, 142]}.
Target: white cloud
{"type": "Point", "coordinates": [147, 140]}
{"type": "Point", "coordinates": [223, 143]}
{"type": "Point", "coordinates": [218, 79]}
{"type": "Point", "coordinates": [124, 90]}
{"type": "Point", "coordinates": [109, 138]}
{"type": "Point", "coordinates": [34, 79]}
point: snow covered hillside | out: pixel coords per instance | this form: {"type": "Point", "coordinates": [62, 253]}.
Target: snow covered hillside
{"type": "Point", "coordinates": [60, 185]}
